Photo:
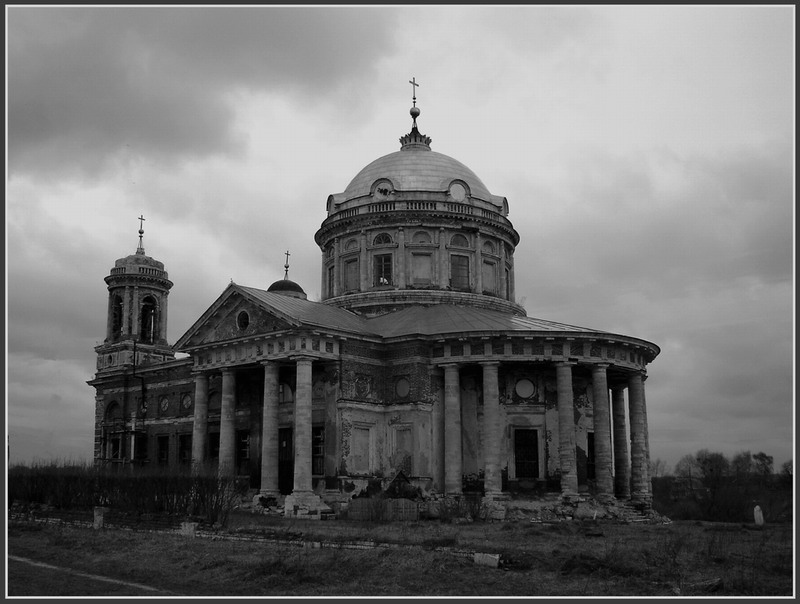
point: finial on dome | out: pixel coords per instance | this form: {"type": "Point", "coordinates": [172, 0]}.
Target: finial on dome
{"type": "Point", "coordinates": [414, 140]}
{"type": "Point", "coordinates": [414, 109]}
{"type": "Point", "coordinates": [286, 266]}
{"type": "Point", "coordinates": [140, 249]}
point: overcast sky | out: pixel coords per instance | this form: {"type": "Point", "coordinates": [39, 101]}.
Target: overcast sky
{"type": "Point", "coordinates": [647, 155]}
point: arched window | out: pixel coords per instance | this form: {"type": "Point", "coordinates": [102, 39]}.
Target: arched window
{"type": "Point", "coordinates": [421, 237]}
{"type": "Point", "coordinates": [488, 247]}
{"type": "Point", "coordinates": [382, 239]}
{"type": "Point", "coordinates": [351, 245]}
{"type": "Point", "coordinates": [148, 330]}
{"type": "Point", "coordinates": [459, 240]}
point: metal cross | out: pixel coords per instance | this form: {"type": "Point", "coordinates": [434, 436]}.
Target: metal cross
{"type": "Point", "coordinates": [413, 82]}
{"type": "Point", "coordinates": [141, 219]}
{"type": "Point", "coordinates": [286, 266]}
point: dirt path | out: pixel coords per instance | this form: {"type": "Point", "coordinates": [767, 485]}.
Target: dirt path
{"type": "Point", "coordinates": [28, 577]}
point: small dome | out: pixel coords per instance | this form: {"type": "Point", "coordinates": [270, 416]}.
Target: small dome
{"type": "Point", "coordinates": [285, 287]}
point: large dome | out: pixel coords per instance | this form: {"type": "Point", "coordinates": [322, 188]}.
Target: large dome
{"type": "Point", "coordinates": [415, 169]}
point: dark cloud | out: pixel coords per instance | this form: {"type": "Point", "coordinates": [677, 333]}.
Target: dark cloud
{"type": "Point", "coordinates": [90, 86]}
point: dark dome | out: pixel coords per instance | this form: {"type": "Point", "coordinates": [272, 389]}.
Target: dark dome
{"type": "Point", "coordinates": [287, 288]}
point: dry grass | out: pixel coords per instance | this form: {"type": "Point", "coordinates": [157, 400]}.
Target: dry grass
{"type": "Point", "coordinates": [567, 558]}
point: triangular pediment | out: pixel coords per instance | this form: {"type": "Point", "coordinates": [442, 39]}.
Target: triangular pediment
{"type": "Point", "coordinates": [234, 315]}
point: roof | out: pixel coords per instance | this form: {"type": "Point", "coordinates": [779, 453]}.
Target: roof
{"type": "Point", "coordinates": [308, 312]}
{"type": "Point", "coordinates": [423, 321]}
{"type": "Point", "coordinates": [450, 319]}
{"type": "Point", "coordinates": [416, 169]}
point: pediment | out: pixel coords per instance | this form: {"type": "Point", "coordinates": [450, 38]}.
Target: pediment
{"type": "Point", "coordinates": [232, 317]}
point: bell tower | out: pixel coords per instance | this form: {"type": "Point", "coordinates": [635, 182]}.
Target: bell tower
{"type": "Point", "coordinates": [138, 288]}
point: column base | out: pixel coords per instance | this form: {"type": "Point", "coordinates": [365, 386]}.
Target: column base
{"type": "Point", "coordinates": [304, 504]}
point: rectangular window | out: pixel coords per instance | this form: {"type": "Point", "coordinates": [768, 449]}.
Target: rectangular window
{"type": "Point", "coordinates": [351, 277]}
{"type": "Point", "coordinates": [422, 269]}
{"type": "Point", "coordinates": [331, 282]}
{"type": "Point", "coordinates": [185, 449]}
{"type": "Point", "coordinates": [383, 269]}
{"type": "Point", "coordinates": [459, 272]}
{"type": "Point", "coordinates": [163, 450]}
{"type": "Point", "coordinates": [116, 447]}
{"type": "Point", "coordinates": [318, 450]}
{"type": "Point", "coordinates": [213, 445]}
{"type": "Point", "coordinates": [489, 277]}
{"type": "Point", "coordinates": [140, 448]}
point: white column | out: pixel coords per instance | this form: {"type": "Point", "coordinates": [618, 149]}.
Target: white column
{"type": "Point", "coordinates": [602, 433]}
{"type": "Point", "coordinates": [566, 430]}
{"type": "Point", "coordinates": [227, 425]}
{"type": "Point", "coordinates": [200, 421]}
{"type": "Point", "coordinates": [452, 431]}
{"type": "Point", "coordinates": [269, 432]}
{"type": "Point", "coordinates": [493, 482]}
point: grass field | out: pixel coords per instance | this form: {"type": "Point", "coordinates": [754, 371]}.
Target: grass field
{"type": "Point", "coordinates": [564, 559]}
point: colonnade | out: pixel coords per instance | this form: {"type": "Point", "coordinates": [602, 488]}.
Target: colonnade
{"type": "Point", "coordinates": [302, 486]}
{"type": "Point", "coordinates": [617, 474]}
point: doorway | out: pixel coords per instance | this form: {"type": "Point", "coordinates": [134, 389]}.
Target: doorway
{"type": "Point", "coordinates": [526, 454]}
{"type": "Point", "coordinates": [285, 461]}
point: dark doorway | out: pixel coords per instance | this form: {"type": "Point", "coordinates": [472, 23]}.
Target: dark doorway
{"type": "Point", "coordinates": [285, 461]}
{"type": "Point", "coordinates": [526, 453]}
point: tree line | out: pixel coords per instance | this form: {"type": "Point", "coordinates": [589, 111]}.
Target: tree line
{"type": "Point", "coordinates": [709, 486]}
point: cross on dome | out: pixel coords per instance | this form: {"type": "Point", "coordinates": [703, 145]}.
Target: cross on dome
{"type": "Point", "coordinates": [140, 249]}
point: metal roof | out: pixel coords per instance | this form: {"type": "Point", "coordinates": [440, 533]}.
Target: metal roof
{"type": "Point", "coordinates": [308, 312]}
{"type": "Point", "coordinates": [450, 319]}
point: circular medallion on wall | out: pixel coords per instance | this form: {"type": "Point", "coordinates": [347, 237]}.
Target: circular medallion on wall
{"type": "Point", "coordinates": [402, 387]}
{"type": "Point", "coordinates": [163, 403]}
{"type": "Point", "coordinates": [524, 388]}
{"type": "Point", "coordinates": [186, 401]}
{"type": "Point", "coordinates": [242, 320]}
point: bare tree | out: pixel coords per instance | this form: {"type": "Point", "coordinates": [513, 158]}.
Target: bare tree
{"type": "Point", "coordinates": [742, 465]}
{"type": "Point", "coordinates": [763, 463]}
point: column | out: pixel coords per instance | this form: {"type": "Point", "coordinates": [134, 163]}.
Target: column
{"type": "Point", "coordinates": [639, 488]}
{"type": "Point", "coordinates": [337, 270]}
{"type": "Point", "coordinates": [444, 277]}
{"type": "Point", "coordinates": [478, 264]}
{"type": "Point", "coordinates": [566, 430]}
{"type": "Point", "coordinates": [602, 433]}
{"type": "Point", "coordinates": [302, 428]}
{"type": "Point", "coordinates": [269, 432]}
{"type": "Point", "coordinates": [227, 425]}
{"type": "Point", "coordinates": [504, 289]}
{"type": "Point", "coordinates": [452, 430]}
{"type": "Point", "coordinates": [622, 466]}
{"type": "Point", "coordinates": [135, 312]}
{"type": "Point", "coordinates": [110, 316]}
{"type": "Point", "coordinates": [400, 281]}
{"type": "Point", "coordinates": [200, 423]}
{"type": "Point", "coordinates": [437, 428]}
{"type": "Point", "coordinates": [493, 483]}
{"type": "Point", "coordinates": [126, 312]}
{"type": "Point", "coordinates": [646, 438]}
{"type": "Point", "coordinates": [364, 277]}
{"type": "Point", "coordinates": [162, 329]}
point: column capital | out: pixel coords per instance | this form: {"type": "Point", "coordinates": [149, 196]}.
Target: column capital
{"type": "Point", "coordinates": [268, 362]}
{"type": "Point", "coordinates": [600, 367]}
{"type": "Point", "coordinates": [489, 363]}
{"type": "Point", "coordinates": [201, 372]}
{"type": "Point", "coordinates": [301, 358]}
{"type": "Point", "coordinates": [565, 363]}
{"type": "Point", "coordinates": [449, 365]}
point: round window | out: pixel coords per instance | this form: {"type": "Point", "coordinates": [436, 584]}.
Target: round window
{"type": "Point", "coordinates": [243, 320]}
{"type": "Point", "coordinates": [163, 403]}
{"type": "Point", "coordinates": [458, 192]}
{"type": "Point", "coordinates": [186, 401]}
{"type": "Point", "coordinates": [524, 388]}
{"type": "Point", "coordinates": [402, 387]}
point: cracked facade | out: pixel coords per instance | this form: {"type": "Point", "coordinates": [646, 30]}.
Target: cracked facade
{"type": "Point", "coordinates": [416, 359]}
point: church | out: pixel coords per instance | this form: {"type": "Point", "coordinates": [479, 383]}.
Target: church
{"type": "Point", "coordinates": [416, 361]}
